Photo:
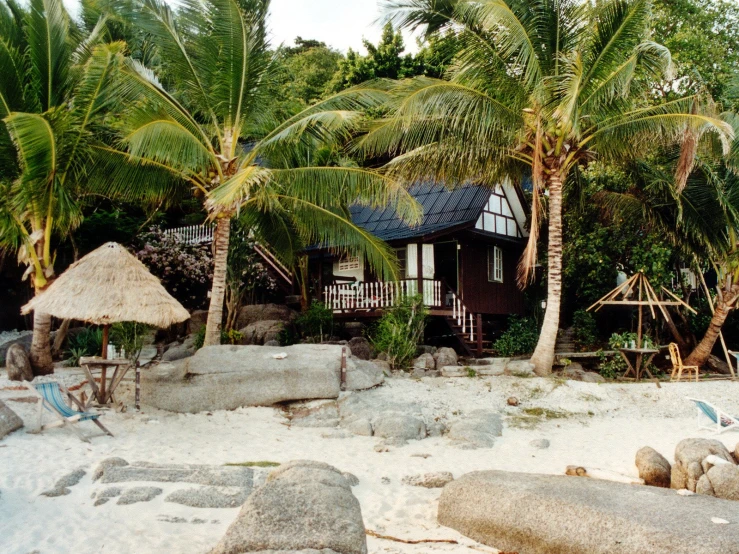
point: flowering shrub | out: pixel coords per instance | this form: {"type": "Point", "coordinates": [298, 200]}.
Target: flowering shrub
{"type": "Point", "coordinates": [186, 270]}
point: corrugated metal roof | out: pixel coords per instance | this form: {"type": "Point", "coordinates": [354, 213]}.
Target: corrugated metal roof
{"type": "Point", "coordinates": [443, 208]}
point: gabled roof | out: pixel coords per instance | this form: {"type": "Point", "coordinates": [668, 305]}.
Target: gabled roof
{"type": "Point", "coordinates": [443, 209]}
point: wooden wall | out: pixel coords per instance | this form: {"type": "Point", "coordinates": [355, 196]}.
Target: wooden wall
{"type": "Point", "coordinates": [482, 296]}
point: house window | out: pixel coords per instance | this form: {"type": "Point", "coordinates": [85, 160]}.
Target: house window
{"type": "Point", "coordinates": [495, 265]}
{"type": "Point", "coordinates": [349, 264]}
{"type": "Point", "coordinates": [401, 254]}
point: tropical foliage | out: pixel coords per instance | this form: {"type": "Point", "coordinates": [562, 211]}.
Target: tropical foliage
{"type": "Point", "coordinates": [540, 86]}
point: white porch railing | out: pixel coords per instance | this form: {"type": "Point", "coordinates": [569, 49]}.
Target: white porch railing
{"type": "Point", "coordinates": [463, 316]}
{"type": "Point", "coordinates": [380, 294]}
{"type": "Point", "coordinates": [192, 234]}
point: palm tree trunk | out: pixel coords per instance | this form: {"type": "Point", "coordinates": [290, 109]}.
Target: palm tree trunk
{"type": "Point", "coordinates": [702, 352]}
{"type": "Point", "coordinates": [40, 355]}
{"type": "Point", "coordinates": [543, 357]}
{"type": "Point", "coordinates": [218, 290]}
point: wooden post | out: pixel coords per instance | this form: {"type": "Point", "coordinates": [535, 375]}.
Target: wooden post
{"type": "Point", "coordinates": [138, 386]}
{"type": "Point", "coordinates": [638, 331]}
{"type": "Point", "coordinates": [106, 331]}
{"type": "Point", "coordinates": [479, 334]}
{"type": "Point", "coordinates": [419, 256]}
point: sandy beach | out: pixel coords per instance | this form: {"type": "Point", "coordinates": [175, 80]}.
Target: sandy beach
{"type": "Point", "coordinates": [594, 425]}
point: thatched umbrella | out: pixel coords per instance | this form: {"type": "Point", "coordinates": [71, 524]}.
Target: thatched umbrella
{"type": "Point", "coordinates": [107, 286]}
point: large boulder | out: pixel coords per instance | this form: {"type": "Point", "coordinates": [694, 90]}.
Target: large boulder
{"type": "Point", "coordinates": [18, 364]}
{"type": "Point", "coordinates": [360, 348]}
{"type": "Point", "coordinates": [197, 321]}
{"type": "Point", "coordinates": [260, 332]}
{"type": "Point", "coordinates": [363, 374]}
{"type": "Point", "coordinates": [23, 338]}
{"type": "Point", "coordinates": [445, 357]}
{"type": "Point", "coordinates": [304, 505]}
{"type": "Point", "coordinates": [180, 351]}
{"type": "Point", "coordinates": [230, 377]}
{"type": "Point", "coordinates": [399, 426]}
{"type": "Point", "coordinates": [478, 429]}
{"type": "Point", "coordinates": [424, 361]}
{"type": "Point", "coordinates": [721, 481]}
{"type": "Point", "coordinates": [264, 312]}
{"type": "Point", "coordinates": [576, 372]}
{"type": "Point", "coordinates": [555, 514]}
{"type": "Point", "coordinates": [9, 420]}
{"type": "Point", "coordinates": [653, 467]}
{"type": "Point", "coordinates": [690, 465]}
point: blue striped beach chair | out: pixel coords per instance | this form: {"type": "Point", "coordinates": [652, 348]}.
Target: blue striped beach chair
{"type": "Point", "coordinates": [722, 421]}
{"type": "Point", "coordinates": [51, 398]}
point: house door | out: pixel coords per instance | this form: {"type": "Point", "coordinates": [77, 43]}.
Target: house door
{"type": "Point", "coordinates": [446, 262]}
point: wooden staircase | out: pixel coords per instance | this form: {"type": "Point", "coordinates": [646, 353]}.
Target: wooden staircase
{"type": "Point", "coordinates": [467, 328]}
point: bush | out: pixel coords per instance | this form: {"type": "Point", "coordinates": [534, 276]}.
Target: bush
{"type": "Point", "coordinates": [316, 322]}
{"type": "Point", "coordinates": [129, 338]}
{"type": "Point", "coordinates": [520, 338]}
{"type": "Point", "coordinates": [585, 330]}
{"type": "Point", "coordinates": [88, 342]}
{"type": "Point", "coordinates": [399, 331]}
{"type": "Point", "coordinates": [185, 270]}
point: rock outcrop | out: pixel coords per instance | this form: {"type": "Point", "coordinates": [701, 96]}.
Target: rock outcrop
{"type": "Point", "coordinates": [478, 429]}
{"type": "Point", "coordinates": [690, 465]}
{"type": "Point", "coordinates": [445, 357]}
{"type": "Point", "coordinates": [9, 420]}
{"type": "Point", "coordinates": [261, 332]}
{"type": "Point", "coordinates": [264, 312]}
{"type": "Point", "coordinates": [229, 377]}
{"type": "Point", "coordinates": [304, 505]}
{"type": "Point", "coordinates": [550, 514]}
{"type": "Point", "coordinates": [18, 364]}
{"type": "Point", "coordinates": [653, 467]}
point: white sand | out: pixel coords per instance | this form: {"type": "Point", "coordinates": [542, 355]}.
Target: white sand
{"type": "Point", "coordinates": [604, 427]}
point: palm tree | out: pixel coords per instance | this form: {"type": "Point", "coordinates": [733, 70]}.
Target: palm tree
{"type": "Point", "coordinates": [204, 123]}
{"type": "Point", "coordinates": [50, 103]}
{"type": "Point", "coordinates": [539, 86]}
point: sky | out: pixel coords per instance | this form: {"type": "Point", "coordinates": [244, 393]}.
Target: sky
{"type": "Point", "coordinates": [341, 24]}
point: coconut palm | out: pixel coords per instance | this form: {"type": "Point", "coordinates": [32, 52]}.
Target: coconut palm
{"type": "Point", "coordinates": [701, 222]}
{"type": "Point", "coordinates": [50, 104]}
{"type": "Point", "coordinates": [539, 86]}
{"type": "Point", "coordinates": [204, 123]}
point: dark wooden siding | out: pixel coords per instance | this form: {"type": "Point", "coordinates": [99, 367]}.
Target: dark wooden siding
{"type": "Point", "coordinates": [482, 296]}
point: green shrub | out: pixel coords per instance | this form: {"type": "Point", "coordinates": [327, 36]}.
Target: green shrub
{"type": "Point", "coordinates": [88, 342]}
{"type": "Point", "coordinates": [585, 330]}
{"type": "Point", "coordinates": [520, 338]}
{"type": "Point", "coordinates": [316, 322]}
{"type": "Point", "coordinates": [399, 331]}
{"type": "Point", "coordinates": [129, 338]}
{"type": "Point", "coordinates": [227, 337]}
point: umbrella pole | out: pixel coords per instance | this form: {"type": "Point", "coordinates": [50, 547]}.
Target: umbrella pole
{"type": "Point", "coordinates": [638, 331]}
{"type": "Point", "coordinates": [106, 331]}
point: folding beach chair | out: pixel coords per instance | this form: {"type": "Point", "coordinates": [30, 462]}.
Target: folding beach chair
{"type": "Point", "coordinates": [50, 396]}
{"type": "Point", "coordinates": [722, 421]}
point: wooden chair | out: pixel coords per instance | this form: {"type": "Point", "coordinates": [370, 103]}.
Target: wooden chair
{"type": "Point", "coordinates": [50, 397]}
{"type": "Point", "coordinates": [677, 364]}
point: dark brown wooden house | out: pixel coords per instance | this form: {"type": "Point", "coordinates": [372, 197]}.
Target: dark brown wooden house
{"type": "Point", "coordinates": [462, 257]}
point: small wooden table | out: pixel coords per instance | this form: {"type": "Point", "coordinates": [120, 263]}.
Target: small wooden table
{"type": "Point", "coordinates": [639, 362]}
{"type": "Point", "coordinates": [104, 394]}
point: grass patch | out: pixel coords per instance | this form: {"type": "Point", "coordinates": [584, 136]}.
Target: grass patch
{"type": "Point", "coordinates": [543, 412]}
{"type": "Point", "coordinates": [254, 464]}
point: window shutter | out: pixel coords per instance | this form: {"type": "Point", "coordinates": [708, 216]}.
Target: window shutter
{"type": "Point", "coordinates": [411, 261]}
{"type": "Point", "coordinates": [428, 261]}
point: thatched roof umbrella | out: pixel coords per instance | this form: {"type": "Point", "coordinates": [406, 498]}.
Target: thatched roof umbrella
{"type": "Point", "coordinates": [107, 286]}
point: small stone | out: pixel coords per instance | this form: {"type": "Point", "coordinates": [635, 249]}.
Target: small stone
{"type": "Point", "coordinates": [424, 361]}
{"type": "Point", "coordinates": [18, 364]}
{"type": "Point", "coordinates": [424, 456]}
{"type": "Point", "coordinates": [399, 426]}
{"type": "Point", "coordinates": [541, 444]}
{"type": "Point", "coordinates": [339, 434]}
{"type": "Point", "coordinates": [139, 494]}
{"type": "Point", "coordinates": [61, 486]}
{"type": "Point", "coordinates": [454, 371]}
{"type": "Point", "coordinates": [105, 464]}
{"type": "Point", "coordinates": [106, 494]}
{"type": "Point", "coordinates": [210, 497]}
{"type": "Point", "coordinates": [435, 429]}
{"type": "Point", "coordinates": [445, 357]}
{"type": "Point", "coordinates": [653, 467]}
{"type": "Point", "coordinates": [512, 401]}
{"type": "Point", "coordinates": [359, 426]}
{"type": "Point", "coordinates": [385, 480]}
{"type": "Point", "coordinates": [434, 480]}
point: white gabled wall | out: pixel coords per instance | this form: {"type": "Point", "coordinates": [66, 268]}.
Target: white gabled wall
{"type": "Point", "coordinates": [504, 214]}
